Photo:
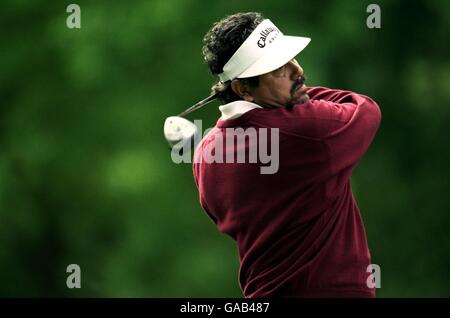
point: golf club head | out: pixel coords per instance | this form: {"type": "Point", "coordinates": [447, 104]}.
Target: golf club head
{"type": "Point", "coordinates": [178, 131]}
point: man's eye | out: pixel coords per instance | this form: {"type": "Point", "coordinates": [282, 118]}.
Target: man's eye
{"type": "Point", "coordinates": [280, 71]}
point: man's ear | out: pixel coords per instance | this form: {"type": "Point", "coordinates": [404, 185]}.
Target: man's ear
{"type": "Point", "coordinates": [241, 90]}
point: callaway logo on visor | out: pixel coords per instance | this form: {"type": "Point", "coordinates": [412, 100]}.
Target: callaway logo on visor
{"type": "Point", "coordinates": [249, 60]}
{"type": "Point", "coordinates": [265, 33]}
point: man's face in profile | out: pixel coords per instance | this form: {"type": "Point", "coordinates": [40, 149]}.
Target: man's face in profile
{"type": "Point", "coordinates": [283, 87]}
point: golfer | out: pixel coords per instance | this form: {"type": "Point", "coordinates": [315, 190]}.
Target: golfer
{"type": "Point", "coordinates": [299, 232]}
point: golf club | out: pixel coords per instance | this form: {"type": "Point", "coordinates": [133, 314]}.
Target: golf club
{"type": "Point", "coordinates": [178, 130]}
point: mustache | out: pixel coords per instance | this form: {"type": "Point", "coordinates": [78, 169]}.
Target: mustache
{"type": "Point", "coordinates": [297, 83]}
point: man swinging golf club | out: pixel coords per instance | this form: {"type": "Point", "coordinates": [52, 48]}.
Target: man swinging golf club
{"type": "Point", "coordinates": [299, 232]}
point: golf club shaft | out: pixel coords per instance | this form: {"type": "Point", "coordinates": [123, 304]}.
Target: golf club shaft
{"type": "Point", "coordinates": [200, 104]}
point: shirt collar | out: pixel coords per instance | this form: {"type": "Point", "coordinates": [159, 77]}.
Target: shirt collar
{"type": "Point", "coordinates": [235, 109]}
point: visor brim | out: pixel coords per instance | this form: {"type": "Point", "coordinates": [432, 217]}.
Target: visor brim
{"type": "Point", "coordinates": [285, 50]}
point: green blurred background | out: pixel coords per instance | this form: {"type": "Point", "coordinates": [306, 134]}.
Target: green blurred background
{"type": "Point", "coordinates": [86, 175]}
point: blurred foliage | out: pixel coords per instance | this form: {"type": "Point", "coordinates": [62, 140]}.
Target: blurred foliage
{"type": "Point", "coordinates": [86, 175]}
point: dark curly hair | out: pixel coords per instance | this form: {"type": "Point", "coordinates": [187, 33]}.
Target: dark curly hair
{"type": "Point", "coordinates": [220, 43]}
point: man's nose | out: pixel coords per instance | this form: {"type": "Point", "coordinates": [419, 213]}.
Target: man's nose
{"type": "Point", "coordinates": [296, 69]}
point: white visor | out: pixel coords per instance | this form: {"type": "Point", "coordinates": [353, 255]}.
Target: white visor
{"type": "Point", "coordinates": [265, 50]}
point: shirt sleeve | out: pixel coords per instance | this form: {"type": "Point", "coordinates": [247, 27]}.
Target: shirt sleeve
{"type": "Point", "coordinates": [345, 121]}
{"type": "Point", "coordinates": [197, 170]}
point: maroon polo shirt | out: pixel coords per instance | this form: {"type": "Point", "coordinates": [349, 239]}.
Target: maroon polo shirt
{"type": "Point", "coordinates": [299, 232]}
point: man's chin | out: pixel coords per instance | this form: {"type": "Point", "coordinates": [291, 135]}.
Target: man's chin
{"type": "Point", "coordinates": [297, 101]}
{"type": "Point", "coordinates": [300, 99]}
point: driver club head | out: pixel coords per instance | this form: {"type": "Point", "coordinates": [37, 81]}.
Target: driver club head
{"type": "Point", "coordinates": [178, 131]}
